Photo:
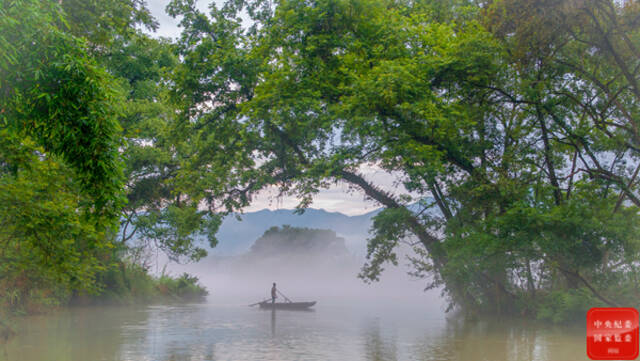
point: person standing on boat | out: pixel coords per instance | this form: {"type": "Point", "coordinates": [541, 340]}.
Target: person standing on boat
{"type": "Point", "coordinates": [273, 293]}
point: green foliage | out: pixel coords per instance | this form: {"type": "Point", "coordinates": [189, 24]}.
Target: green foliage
{"type": "Point", "coordinates": [567, 306]}
{"type": "Point", "coordinates": [127, 283]}
{"type": "Point", "coordinates": [103, 22]}
{"type": "Point", "coordinates": [48, 248]}
{"type": "Point", "coordinates": [60, 167]}
{"type": "Point", "coordinates": [514, 123]}
{"type": "Point", "coordinates": [71, 73]}
{"type": "Point", "coordinates": [290, 241]}
{"type": "Point", "coordinates": [518, 128]}
{"type": "Point", "coordinates": [55, 93]}
{"type": "Point", "coordinates": [381, 248]}
{"type": "Point", "coordinates": [183, 288]}
{"type": "Point", "coordinates": [162, 211]}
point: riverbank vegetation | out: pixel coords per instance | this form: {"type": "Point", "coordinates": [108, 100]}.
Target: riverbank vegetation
{"type": "Point", "coordinates": [81, 124]}
{"type": "Point", "coordinates": [515, 119]}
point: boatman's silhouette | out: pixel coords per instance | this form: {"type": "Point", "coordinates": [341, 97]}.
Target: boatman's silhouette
{"type": "Point", "coordinates": [273, 293]}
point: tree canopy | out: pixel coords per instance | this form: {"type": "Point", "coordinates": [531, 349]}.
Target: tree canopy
{"type": "Point", "coordinates": [519, 126]}
{"type": "Point", "coordinates": [288, 241]}
{"type": "Point", "coordinates": [55, 93]}
{"type": "Point", "coordinates": [512, 124]}
{"type": "Point", "coordinates": [83, 134]}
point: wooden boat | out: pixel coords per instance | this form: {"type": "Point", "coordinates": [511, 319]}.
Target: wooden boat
{"type": "Point", "coordinates": [286, 305]}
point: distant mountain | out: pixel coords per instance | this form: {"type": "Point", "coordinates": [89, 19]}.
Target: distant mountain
{"type": "Point", "coordinates": [236, 236]}
{"type": "Point", "coordinates": [234, 256]}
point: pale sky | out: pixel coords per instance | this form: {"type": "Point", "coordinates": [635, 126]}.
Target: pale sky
{"type": "Point", "coordinates": [168, 25]}
{"type": "Point", "coordinates": [337, 198]}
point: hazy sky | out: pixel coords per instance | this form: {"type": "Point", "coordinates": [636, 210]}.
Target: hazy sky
{"type": "Point", "coordinates": [336, 199]}
{"type": "Point", "coordinates": [168, 25]}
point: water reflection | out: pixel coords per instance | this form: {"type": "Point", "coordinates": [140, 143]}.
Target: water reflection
{"type": "Point", "coordinates": [378, 347]}
{"type": "Point", "coordinates": [273, 322]}
{"type": "Point", "coordinates": [214, 332]}
{"type": "Point", "coordinates": [78, 334]}
{"type": "Point", "coordinates": [507, 339]}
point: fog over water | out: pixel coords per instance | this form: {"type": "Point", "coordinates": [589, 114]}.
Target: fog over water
{"type": "Point", "coordinates": [327, 277]}
{"type": "Point", "coordinates": [393, 319]}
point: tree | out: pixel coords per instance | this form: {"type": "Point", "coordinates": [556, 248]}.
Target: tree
{"type": "Point", "coordinates": [579, 87]}
{"type": "Point", "coordinates": [55, 93]}
{"type": "Point", "coordinates": [162, 212]}
{"type": "Point", "coordinates": [71, 73]}
{"type": "Point", "coordinates": [60, 167]}
{"type": "Point", "coordinates": [294, 242]}
{"type": "Point", "coordinates": [314, 91]}
{"type": "Point", "coordinates": [103, 23]}
{"type": "Point", "coordinates": [48, 248]}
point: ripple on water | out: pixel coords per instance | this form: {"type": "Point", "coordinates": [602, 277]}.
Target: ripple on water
{"type": "Point", "coordinates": [226, 332]}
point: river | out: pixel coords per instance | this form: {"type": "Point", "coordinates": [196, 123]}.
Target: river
{"type": "Point", "coordinates": [233, 331]}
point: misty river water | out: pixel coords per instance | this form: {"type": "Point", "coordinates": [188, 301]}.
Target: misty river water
{"type": "Point", "coordinates": [232, 331]}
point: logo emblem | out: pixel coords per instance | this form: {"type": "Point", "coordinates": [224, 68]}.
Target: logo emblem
{"type": "Point", "coordinates": [612, 333]}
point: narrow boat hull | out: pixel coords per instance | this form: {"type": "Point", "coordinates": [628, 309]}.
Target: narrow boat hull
{"type": "Point", "coordinates": [287, 305]}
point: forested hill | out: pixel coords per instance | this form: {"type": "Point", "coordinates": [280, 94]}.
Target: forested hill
{"type": "Point", "coordinates": [237, 236]}
{"type": "Point", "coordinates": [287, 240]}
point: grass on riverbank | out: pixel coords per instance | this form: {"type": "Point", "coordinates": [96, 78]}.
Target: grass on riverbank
{"type": "Point", "coordinates": [127, 283]}
{"type": "Point", "coordinates": [121, 283]}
